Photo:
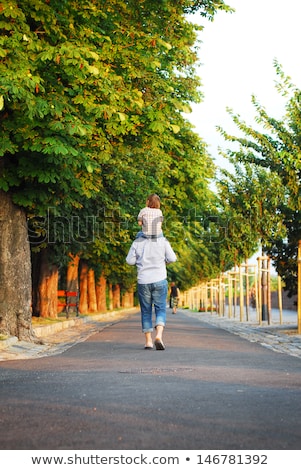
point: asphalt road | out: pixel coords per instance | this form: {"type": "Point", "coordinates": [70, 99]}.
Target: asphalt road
{"type": "Point", "coordinates": [210, 389]}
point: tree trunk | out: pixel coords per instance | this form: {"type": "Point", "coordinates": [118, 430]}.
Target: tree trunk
{"type": "Point", "coordinates": [101, 294]}
{"type": "Point", "coordinates": [15, 271]}
{"type": "Point", "coordinates": [72, 273]}
{"type": "Point", "coordinates": [116, 296]}
{"type": "Point", "coordinates": [83, 288]}
{"type": "Point", "coordinates": [127, 300]}
{"type": "Point", "coordinates": [92, 301]}
{"type": "Point", "coordinates": [110, 297]}
{"type": "Point", "coordinates": [47, 289]}
{"type": "Point", "coordinates": [72, 283]}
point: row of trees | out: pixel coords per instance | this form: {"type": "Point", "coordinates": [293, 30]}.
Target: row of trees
{"type": "Point", "coordinates": [93, 95]}
{"type": "Point", "coordinates": [262, 193]}
{"type": "Point", "coordinates": [93, 99]}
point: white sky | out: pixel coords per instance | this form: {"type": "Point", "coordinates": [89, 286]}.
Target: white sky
{"type": "Point", "coordinates": [237, 55]}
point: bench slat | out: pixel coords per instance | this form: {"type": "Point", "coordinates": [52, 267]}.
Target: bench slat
{"type": "Point", "coordinates": [71, 299]}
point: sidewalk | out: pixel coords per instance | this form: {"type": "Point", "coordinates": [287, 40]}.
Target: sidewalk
{"type": "Point", "coordinates": [58, 337]}
{"type": "Point", "coordinates": [282, 338]}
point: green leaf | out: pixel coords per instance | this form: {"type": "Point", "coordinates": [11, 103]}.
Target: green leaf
{"type": "Point", "coordinates": [89, 168]}
{"type": "Point", "coordinates": [175, 128]}
{"type": "Point", "coordinates": [122, 117]}
{"type": "Point", "coordinates": [157, 126]}
{"type": "Point", "coordinates": [94, 70]}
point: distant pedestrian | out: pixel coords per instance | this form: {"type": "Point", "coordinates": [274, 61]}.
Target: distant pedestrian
{"type": "Point", "coordinates": [151, 255]}
{"type": "Point", "coordinates": [174, 297]}
{"type": "Point", "coordinates": [150, 218]}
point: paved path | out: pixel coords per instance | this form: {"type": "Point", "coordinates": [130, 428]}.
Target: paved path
{"type": "Point", "coordinates": [282, 338]}
{"type": "Point", "coordinates": [58, 337]}
{"type": "Point", "coordinates": [210, 388]}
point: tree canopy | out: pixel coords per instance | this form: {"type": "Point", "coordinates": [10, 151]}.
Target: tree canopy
{"type": "Point", "coordinates": [88, 87]}
{"type": "Point", "coordinates": [93, 97]}
{"type": "Point", "coordinates": [264, 188]}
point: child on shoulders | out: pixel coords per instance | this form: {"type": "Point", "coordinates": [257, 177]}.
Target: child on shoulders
{"type": "Point", "coordinates": [150, 218]}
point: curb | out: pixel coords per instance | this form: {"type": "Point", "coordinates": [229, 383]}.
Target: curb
{"type": "Point", "coordinates": [46, 330]}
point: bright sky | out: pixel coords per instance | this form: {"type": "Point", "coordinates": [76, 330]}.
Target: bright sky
{"type": "Point", "coordinates": [237, 55]}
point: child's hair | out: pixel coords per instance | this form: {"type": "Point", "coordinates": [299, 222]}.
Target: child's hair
{"type": "Point", "coordinates": [153, 201]}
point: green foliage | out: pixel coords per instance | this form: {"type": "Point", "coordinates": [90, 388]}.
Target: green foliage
{"type": "Point", "coordinates": [264, 191]}
{"type": "Point", "coordinates": [92, 96]}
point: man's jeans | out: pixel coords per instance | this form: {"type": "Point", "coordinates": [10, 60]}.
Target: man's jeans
{"type": "Point", "coordinates": [149, 295]}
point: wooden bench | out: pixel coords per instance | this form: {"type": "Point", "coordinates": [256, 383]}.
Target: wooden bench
{"type": "Point", "coordinates": [68, 299]}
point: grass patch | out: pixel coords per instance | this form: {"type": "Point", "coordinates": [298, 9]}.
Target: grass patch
{"type": "Point", "coordinates": [40, 321]}
{"type": "Point", "coordinates": [46, 321]}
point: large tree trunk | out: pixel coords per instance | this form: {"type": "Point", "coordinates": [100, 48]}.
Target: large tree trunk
{"type": "Point", "coordinates": [101, 294]}
{"type": "Point", "coordinates": [15, 271]}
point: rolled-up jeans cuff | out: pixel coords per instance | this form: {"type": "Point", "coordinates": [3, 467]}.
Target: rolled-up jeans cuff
{"type": "Point", "coordinates": [148, 330]}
